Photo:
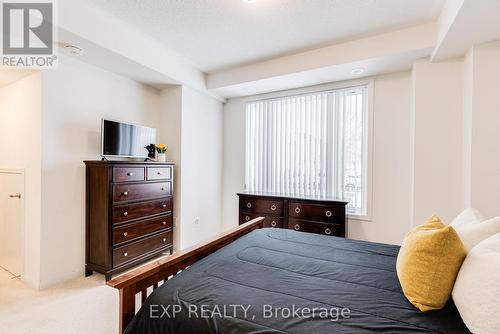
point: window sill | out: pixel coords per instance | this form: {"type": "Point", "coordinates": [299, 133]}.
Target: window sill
{"type": "Point", "coordinates": [359, 218]}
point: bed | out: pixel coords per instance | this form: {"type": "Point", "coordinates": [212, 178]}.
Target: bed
{"type": "Point", "coordinates": [348, 286]}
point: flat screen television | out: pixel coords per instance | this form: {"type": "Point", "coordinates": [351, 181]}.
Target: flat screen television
{"type": "Point", "coordinates": [126, 140]}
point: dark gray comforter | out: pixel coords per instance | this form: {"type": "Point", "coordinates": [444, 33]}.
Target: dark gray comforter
{"type": "Point", "coordinates": [282, 281]}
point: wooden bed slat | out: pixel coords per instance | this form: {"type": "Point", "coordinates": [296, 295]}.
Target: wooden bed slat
{"type": "Point", "coordinates": [127, 305]}
{"type": "Point", "coordinates": [163, 269]}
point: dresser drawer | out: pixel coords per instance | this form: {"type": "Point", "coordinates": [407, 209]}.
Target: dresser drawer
{"type": "Point", "coordinates": [316, 212]}
{"type": "Point", "coordinates": [250, 204]}
{"type": "Point", "coordinates": [136, 230]}
{"type": "Point", "coordinates": [124, 174]}
{"type": "Point", "coordinates": [318, 228]}
{"type": "Point", "coordinates": [131, 251]}
{"type": "Point", "coordinates": [159, 173]}
{"type": "Point", "coordinates": [269, 221]}
{"type": "Point", "coordinates": [123, 213]}
{"type": "Point", "coordinates": [131, 192]}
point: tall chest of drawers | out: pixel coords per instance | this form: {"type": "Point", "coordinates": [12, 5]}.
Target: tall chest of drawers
{"type": "Point", "coordinates": [322, 216]}
{"type": "Point", "coordinates": [129, 214]}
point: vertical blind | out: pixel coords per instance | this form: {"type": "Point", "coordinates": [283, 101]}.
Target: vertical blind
{"type": "Point", "coordinates": [311, 145]}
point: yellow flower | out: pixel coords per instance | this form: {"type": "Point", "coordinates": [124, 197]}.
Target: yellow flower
{"type": "Point", "coordinates": [161, 148]}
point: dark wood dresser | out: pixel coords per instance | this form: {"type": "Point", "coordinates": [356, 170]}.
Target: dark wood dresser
{"type": "Point", "coordinates": [322, 216]}
{"type": "Point", "coordinates": [129, 214]}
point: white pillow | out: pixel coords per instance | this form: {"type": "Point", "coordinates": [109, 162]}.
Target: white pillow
{"type": "Point", "coordinates": [468, 216]}
{"type": "Point", "coordinates": [473, 234]}
{"type": "Point", "coordinates": [477, 288]}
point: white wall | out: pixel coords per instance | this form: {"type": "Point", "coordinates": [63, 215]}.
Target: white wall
{"type": "Point", "coordinates": [20, 148]}
{"type": "Point", "coordinates": [201, 179]}
{"type": "Point", "coordinates": [484, 127]}
{"type": "Point", "coordinates": [170, 134]}
{"type": "Point", "coordinates": [437, 138]}
{"type": "Point", "coordinates": [75, 98]}
{"type": "Point", "coordinates": [467, 128]}
{"type": "Point", "coordinates": [192, 129]}
{"type": "Point", "coordinates": [234, 160]}
{"type": "Point", "coordinates": [391, 160]}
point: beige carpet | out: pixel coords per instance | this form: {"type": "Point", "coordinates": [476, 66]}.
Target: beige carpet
{"type": "Point", "coordinates": [85, 305]}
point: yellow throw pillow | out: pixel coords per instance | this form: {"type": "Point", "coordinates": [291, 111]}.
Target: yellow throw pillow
{"type": "Point", "coordinates": [428, 263]}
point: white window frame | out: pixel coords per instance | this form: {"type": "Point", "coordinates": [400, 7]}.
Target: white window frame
{"type": "Point", "coordinates": [369, 83]}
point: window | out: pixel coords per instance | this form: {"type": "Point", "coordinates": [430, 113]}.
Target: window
{"type": "Point", "coordinates": [310, 145]}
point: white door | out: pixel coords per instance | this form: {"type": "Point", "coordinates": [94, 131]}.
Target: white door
{"type": "Point", "coordinates": [12, 221]}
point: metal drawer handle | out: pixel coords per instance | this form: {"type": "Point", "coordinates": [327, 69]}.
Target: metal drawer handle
{"type": "Point", "coordinates": [297, 210]}
{"type": "Point", "coordinates": [125, 234]}
{"type": "Point", "coordinates": [164, 206]}
{"type": "Point", "coordinates": [249, 205]}
{"type": "Point", "coordinates": [125, 213]}
{"type": "Point", "coordinates": [164, 240]}
{"type": "Point", "coordinates": [159, 173]}
{"type": "Point", "coordinates": [125, 193]}
{"type": "Point", "coordinates": [130, 174]}
{"type": "Point", "coordinates": [296, 227]}
{"type": "Point", "coordinates": [247, 218]}
{"type": "Point", "coordinates": [162, 189]}
{"type": "Point", "coordinates": [18, 195]}
{"type": "Point", "coordinates": [164, 223]}
{"type": "Point", "coordinates": [328, 231]}
{"type": "Point", "coordinates": [273, 207]}
{"type": "Point", "coordinates": [273, 223]}
{"type": "Point", "coordinates": [125, 254]}
{"type": "Point", "coordinates": [328, 213]}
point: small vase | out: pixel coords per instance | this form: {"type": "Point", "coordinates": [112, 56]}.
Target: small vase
{"type": "Point", "coordinates": [161, 157]}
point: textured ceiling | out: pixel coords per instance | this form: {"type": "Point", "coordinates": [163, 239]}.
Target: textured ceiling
{"type": "Point", "coordinates": [218, 34]}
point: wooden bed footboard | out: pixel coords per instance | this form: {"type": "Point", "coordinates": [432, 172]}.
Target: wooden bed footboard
{"type": "Point", "coordinates": [153, 274]}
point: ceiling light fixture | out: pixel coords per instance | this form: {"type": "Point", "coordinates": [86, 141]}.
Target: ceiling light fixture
{"type": "Point", "coordinates": [357, 71]}
{"type": "Point", "coordinates": [73, 49]}
{"type": "Point", "coordinates": [249, 1]}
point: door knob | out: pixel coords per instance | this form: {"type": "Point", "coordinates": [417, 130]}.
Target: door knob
{"type": "Point", "coordinates": [18, 195]}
